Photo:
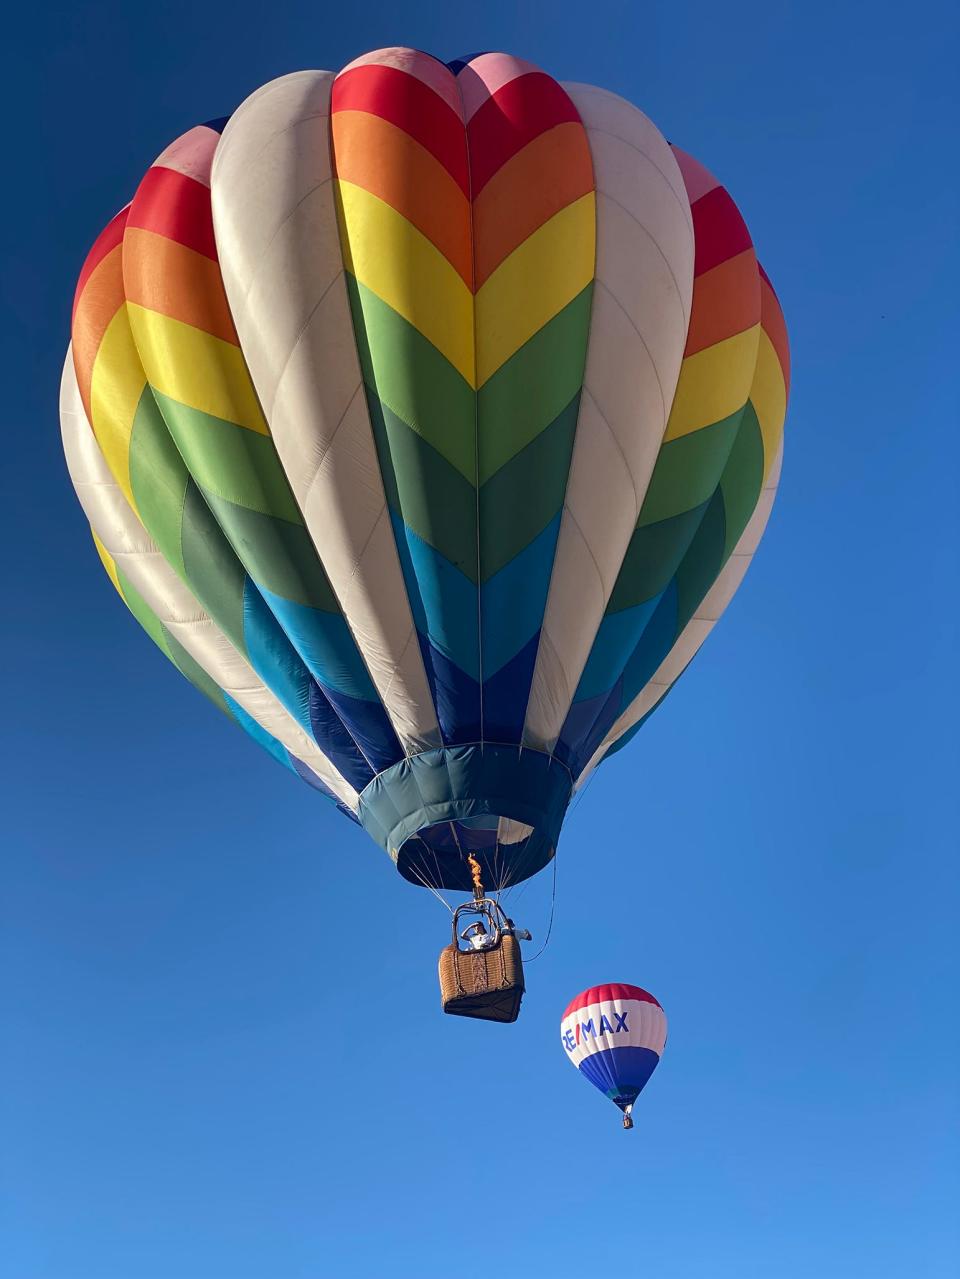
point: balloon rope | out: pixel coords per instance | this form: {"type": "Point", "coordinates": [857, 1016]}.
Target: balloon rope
{"type": "Point", "coordinates": [434, 887]}
{"type": "Point", "coordinates": [436, 892]}
{"type": "Point", "coordinates": [553, 903]}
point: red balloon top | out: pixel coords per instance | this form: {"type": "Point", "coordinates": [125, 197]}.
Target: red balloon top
{"type": "Point", "coordinates": [613, 990]}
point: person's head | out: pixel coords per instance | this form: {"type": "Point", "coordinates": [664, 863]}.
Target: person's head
{"type": "Point", "coordinates": [475, 929]}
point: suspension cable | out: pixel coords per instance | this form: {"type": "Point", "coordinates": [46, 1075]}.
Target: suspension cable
{"type": "Point", "coordinates": [553, 903]}
{"type": "Point", "coordinates": [424, 880]}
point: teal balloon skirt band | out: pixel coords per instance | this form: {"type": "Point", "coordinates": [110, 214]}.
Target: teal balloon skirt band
{"type": "Point", "coordinates": [473, 786]}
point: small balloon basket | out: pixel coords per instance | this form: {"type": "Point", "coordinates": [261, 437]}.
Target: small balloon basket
{"type": "Point", "coordinates": [486, 983]}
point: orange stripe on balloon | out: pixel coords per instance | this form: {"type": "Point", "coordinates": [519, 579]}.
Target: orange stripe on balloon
{"type": "Point", "coordinates": [383, 159]}
{"type": "Point", "coordinates": [726, 300]}
{"type": "Point", "coordinates": [95, 307]}
{"type": "Point", "coordinates": [172, 204]}
{"type": "Point", "coordinates": [774, 325]}
{"type": "Point", "coordinates": [108, 239]}
{"type": "Point", "coordinates": [410, 104]}
{"type": "Point", "coordinates": [163, 275]}
{"type": "Point", "coordinates": [552, 171]}
{"type": "Point", "coordinates": [516, 114]}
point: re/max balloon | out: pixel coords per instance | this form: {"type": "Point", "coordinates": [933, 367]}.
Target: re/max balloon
{"type": "Point", "coordinates": [614, 1035]}
{"type": "Point", "coordinates": [427, 417]}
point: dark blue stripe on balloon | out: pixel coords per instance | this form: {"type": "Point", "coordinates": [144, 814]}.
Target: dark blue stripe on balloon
{"type": "Point", "coordinates": [306, 773]}
{"type": "Point", "coordinates": [505, 695]}
{"type": "Point", "coordinates": [273, 658]}
{"type": "Point", "coordinates": [456, 696]}
{"type": "Point", "coordinates": [279, 666]}
{"type": "Point", "coordinates": [369, 727]}
{"type": "Point", "coordinates": [335, 742]}
{"type": "Point", "coordinates": [588, 722]}
{"type": "Point", "coordinates": [654, 645]}
{"type": "Point", "coordinates": [620, 1073]}
{"type": "Point", "coordinates": [626, 738]}
{"type": "Point", "coordinates": [583, 728]}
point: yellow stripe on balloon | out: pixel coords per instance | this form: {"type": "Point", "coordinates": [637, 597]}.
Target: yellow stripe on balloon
{"type": "Point", "coordinates": [116, 385]}
{"type": "Point", "coordinates": [713, 383]}
{"type": "Point", "coordinates": [539, 278]}
{"type": "Point", "coordinates": [196, 368]}
{"type": "Point", "coordinates": [107, 560]}
{"type": "Point", "coordinates": [768, 394]}
{"type": "Point", "coordinates": [387, 254]}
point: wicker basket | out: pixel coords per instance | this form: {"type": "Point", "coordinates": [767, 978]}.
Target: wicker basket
{"type": "Point", "coordinates": [483, 983]}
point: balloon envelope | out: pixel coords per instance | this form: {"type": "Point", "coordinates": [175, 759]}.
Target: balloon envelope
{"type": "Point", "coordinates": [427, 417]}
{"type": "Point", "coordinates": [614, 1035]}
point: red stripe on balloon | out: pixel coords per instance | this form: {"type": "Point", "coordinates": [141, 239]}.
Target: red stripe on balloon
{"type": "Point", "coordinates": [719, 230]}
{"type": "Point", "coordinates": [98, 298]}
{"type": "Point", "coordinates": [411, 105]}
{"type": "Point", "coordinates": [603, 994]}
{"type": "Point", "coordinates": [774, 325]}
{"type": "Point", "coordinates": [171, 204]}
{"type": "Point", "coordinates": [515, 115]}
{"type": "Point", "coordinates": [106, 241]}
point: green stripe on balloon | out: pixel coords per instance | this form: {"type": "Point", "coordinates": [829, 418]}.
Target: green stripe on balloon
{"type": "Point", "coordinates": [159, 479]}
{"type": "Point", "coordinates": [141, 610]}
{"type": "Point", "coordinates": [411, 378]}
{"type": "Point", "coordinates": [653, 556]}
{"type": "Point", "coordinates": [430, 496]}
{"type": "Point", "coordinates": [702, 562]}
{"type": "Point", "coordinates": [195, 673]}
{"type": "Point", "coordinates": [168, 644]}
{"type": "Point", "coordinates": [278, 555]}
{"type": "Point", "coordinates": [533, 387]}
{"type": "Point", "coordinates": [684, 481]}
{"type": "Point", "coordinates": [719, 524]}
{"type": "Point", "coordinates": [229, 461]}
{"type": "Point", "coordinates": [179, 521]}
{"type": "Point", "coordinates": [520, 500]}
{"type": "Point", "coordinates": [688, 470]}
{"type": "Point", "coordinates": [213, 572]}
{"type": "Point", "coordinates": [742, 479]}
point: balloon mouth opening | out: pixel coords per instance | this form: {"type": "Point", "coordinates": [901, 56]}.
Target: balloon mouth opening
{"type": "Point", "coordinates": [497, 802]}
{"type": "Point", "coordinates": [507, 851]}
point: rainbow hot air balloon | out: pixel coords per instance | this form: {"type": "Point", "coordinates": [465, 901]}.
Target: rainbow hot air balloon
{"type": "Point", "coordinates": [614, 1035]}
{"type": "Point", "coordinates": [427, 416]}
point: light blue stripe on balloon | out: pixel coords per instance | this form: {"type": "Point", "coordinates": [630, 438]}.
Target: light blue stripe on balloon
{"type": "Point", "coordinates": [273, 658]}
{"type": "Point", "coordinates": [513, 600]}
{"type": "Point", "coordinates": [259, 734]}
{"type": "Point", "coordinates": [324, 642]}
{"type": "Point", "coordinates": [655, 643]}
{"type": "Point", "coordinates": [615, 641]}
{"type": "Point", "coordinates": [442, 599]}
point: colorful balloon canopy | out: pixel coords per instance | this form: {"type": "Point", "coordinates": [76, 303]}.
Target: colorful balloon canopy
{"type": "Point", "coordinates": [614, 1035]}
{"type": "Point", "coordinates": [427, 417]}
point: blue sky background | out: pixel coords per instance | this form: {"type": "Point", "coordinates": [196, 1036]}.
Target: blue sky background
{"type": "Point", "coordinates": [221, 1051]}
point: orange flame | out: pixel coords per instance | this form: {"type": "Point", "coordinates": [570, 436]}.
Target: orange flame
{"type": "Point", "coordinates": [475, 872]}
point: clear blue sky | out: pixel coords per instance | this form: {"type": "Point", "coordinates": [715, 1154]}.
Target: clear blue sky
{"type": "Point", "coordinates": [215, 1061]}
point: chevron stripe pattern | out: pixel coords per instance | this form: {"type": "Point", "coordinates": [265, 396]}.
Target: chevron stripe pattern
{"type": "Point", "coordinates": [707, 478]}
{"type": "Point", "coordinates": [427, 416]}
{"type": "Point", "coordinates": [470, 277]}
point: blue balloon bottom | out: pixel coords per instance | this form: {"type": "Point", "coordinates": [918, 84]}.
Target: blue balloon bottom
{"type": "Point", "coordinates": [620, 1073]}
